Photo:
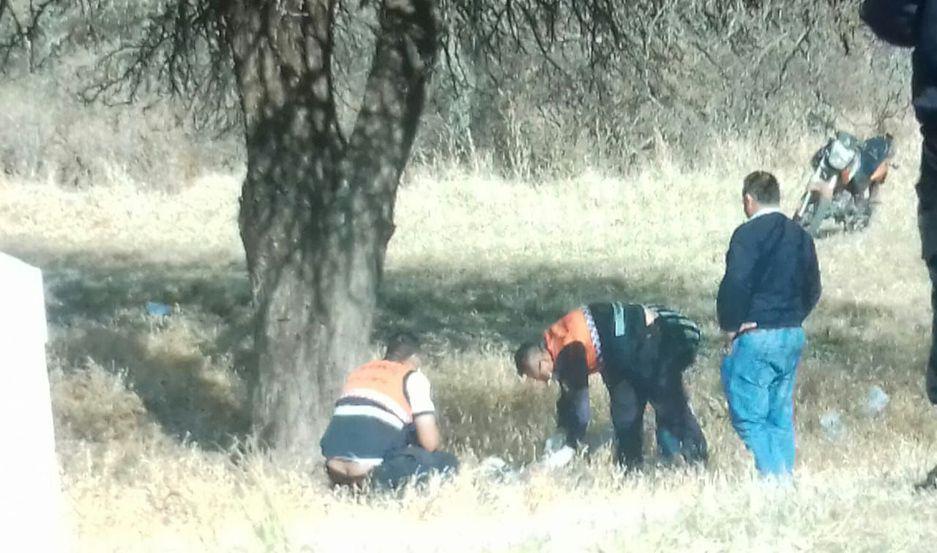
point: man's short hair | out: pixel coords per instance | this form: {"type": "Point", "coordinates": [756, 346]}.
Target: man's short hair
{"type": "Point", "coordinates": [525, 357]}
{"type": "Point", "coordinates": [402, 346]}
{"type": "Point", "coordinates": [763, 187]}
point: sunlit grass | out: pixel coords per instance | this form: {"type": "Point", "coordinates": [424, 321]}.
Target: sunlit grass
{"type": "Point", "coordinates": [149, 412]}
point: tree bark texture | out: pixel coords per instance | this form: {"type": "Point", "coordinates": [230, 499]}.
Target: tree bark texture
{"type": "Point", "coordinates": [317, 207]}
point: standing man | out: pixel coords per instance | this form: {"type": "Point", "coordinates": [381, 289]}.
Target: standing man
{"type": "Point", "coordinates": [384, 424]}
{"type": "Point", "coordinates": [641, 352]}
{"type": "Point", "coordinates": [771, 284]}
{"type": "Point", "coordinates": [913, 24]}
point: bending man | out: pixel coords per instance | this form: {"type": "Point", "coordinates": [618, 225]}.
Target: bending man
{"type": "Point", "coordinates": [641, 353]}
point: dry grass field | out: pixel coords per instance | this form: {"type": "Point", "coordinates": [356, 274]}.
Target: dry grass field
{"type": "Point", "coordinates": [151, 416]}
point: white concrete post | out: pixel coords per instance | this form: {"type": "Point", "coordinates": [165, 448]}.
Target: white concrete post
{"type": "Point", "coordinates": [31, 507]}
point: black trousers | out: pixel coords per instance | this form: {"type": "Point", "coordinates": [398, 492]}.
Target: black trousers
{"type": "Point", "coordinates": [678, 431]}
{"type": "Point", "coordinates": [927, 225]}
{"type": "Point", "coordinates": [412, 462]}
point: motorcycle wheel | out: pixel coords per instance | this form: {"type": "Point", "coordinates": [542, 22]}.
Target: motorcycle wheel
{"type": "Point", "coordinates": [809, 220]}
{"type": "Point", "coordinates": [805, 212]}
{"type": "Point", "coordinates": [860, 217]}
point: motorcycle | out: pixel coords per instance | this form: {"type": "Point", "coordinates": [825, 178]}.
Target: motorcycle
{"type": "Point", "coordinates": [849, 190]}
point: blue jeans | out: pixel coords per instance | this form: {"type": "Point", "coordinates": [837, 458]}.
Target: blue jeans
{"type": "Point", "coordinates": [758, 378]}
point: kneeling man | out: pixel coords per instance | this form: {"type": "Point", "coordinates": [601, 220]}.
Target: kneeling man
{"type": "Point", "coordinates": [384, 425]}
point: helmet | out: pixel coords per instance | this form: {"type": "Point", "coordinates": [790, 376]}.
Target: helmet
{"type": "Point", "coordinates": [842, 151]}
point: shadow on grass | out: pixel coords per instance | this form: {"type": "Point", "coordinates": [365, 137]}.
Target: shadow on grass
{"type": "Point", "coordinates": [178, 388]}
{"type": "Point", "coordinates": [472, 309]}
{"type": "Point", "coordinates": [100, 292]}
{"type": "Point", "coordinates": [453, 310]}
{"type": "Point", "coordinates": [189, 369]}
{"type": "Point", "coordinates": [98, 312]}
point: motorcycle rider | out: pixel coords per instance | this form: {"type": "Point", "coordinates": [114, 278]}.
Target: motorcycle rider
{"type": "Point", "coordinates": [859, 168]}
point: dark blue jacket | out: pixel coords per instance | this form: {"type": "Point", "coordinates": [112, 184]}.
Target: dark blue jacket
{"type": "Point", "coordinates": [772, 275]}
{"type": "Point", "coordinates": [649, 357]}
{"type": "Point", "coordinates": [913, 24]}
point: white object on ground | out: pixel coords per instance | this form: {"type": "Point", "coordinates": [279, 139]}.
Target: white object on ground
{"type": "Point", "coordinates": [492, 464]}
{"type": "Point", "coordinates": [832, 425]}
{"type": "Point", "coordinates": [555, 442]}
{"type": "Point", "coordinates": [31, 508]}
{"type": "Point", "coordinates": [497, 469]}
{"type": "Point", "coordinates": [876, 401]}
{"type": "Point", "coordinates": [558, 458]}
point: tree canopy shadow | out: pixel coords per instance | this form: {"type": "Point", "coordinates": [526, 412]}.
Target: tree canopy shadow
{"type": "Point", "coordinates": [180, 390]}
{"type": "Point", "coordinates": [472, 308]}
{"type": "Point", "coordinates": [189, 367]}
{"type": "Point", "coordinates": [100, 291]}
{"type": "Point", "coordinates": [99, 312]}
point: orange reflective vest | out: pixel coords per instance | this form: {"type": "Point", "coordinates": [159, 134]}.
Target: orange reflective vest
{"type": "Point", "coordinates": [573, 327]}
{"type": "Point", "coordinates": [381, 382]}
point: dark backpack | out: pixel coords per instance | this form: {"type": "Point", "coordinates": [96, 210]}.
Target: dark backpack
{"type": "Point", "coordinates": [681, 336]}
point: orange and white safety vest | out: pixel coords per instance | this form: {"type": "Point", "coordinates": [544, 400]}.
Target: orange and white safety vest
{"type": "Point", "coordinates": [382, 384]}
{"type": "Point", "coordinates": [575, 326]}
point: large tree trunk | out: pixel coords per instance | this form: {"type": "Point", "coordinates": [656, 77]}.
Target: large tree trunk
{"type": "Point", "coordinates": [317, 209]}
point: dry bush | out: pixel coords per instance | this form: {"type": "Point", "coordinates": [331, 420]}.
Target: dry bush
{"type": "Point", "coordinates": [683, 77]}
{"type": "Point", "coordinates": [95, 405]}
{"type": "Point", "coordinates": [680, 78]}
{"type": "Point", "coordinates": [46, 132]}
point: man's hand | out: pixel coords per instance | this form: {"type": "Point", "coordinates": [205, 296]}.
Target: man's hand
{"type": "Point", "coordinates": [730, 336]}
{"type": "Point", "coordinates": [558, 458]}
{"type": "Point", "coordinates": [427, 431]}
{"type": "Point", "coordinates": [556, 453]}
